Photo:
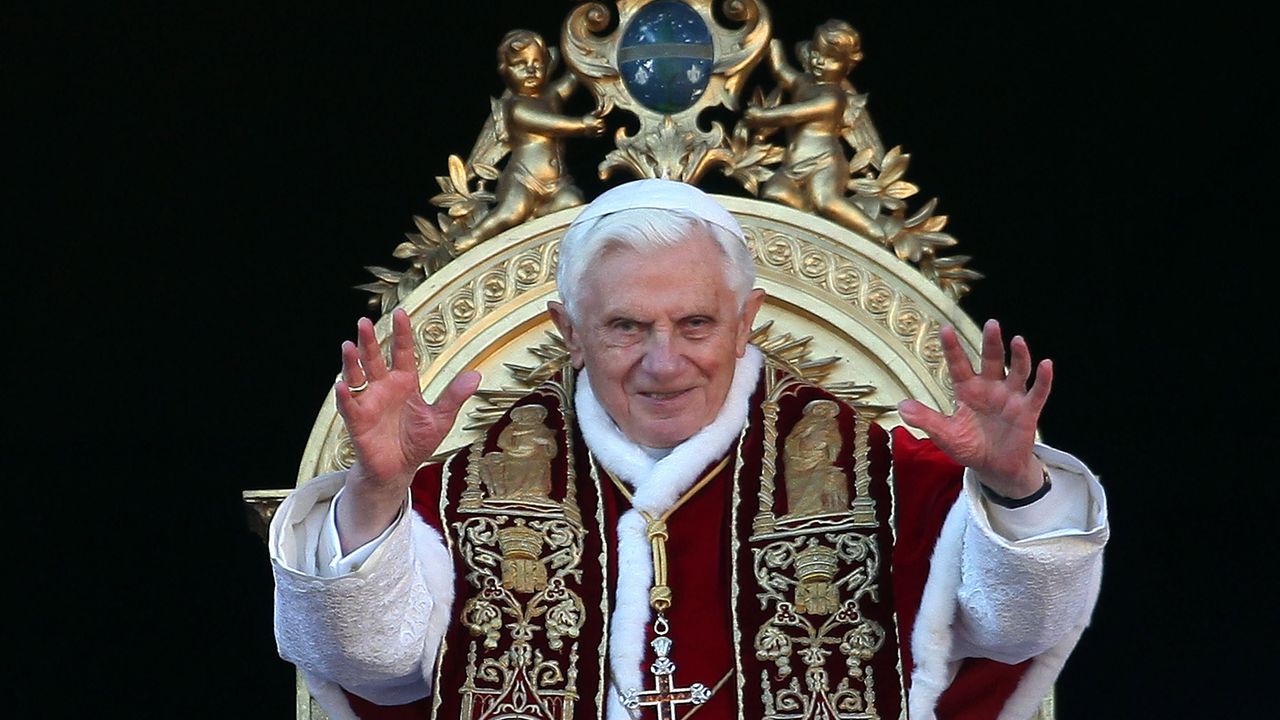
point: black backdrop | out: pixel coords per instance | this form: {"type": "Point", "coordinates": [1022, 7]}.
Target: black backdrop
{"type": "Point", "coordinates": [199, 185]}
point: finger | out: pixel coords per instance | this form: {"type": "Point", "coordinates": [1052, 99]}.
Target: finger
{"type": "Point", "coordinates": [345, 401]}
{"type": "Point", "coordinates": [370, 351]}
{"type": "Point", "coordinates": [402, 357]}
{"type": "Point", "coordinates": [992, 351]}
{"type": "Point", "coordinates": [456, 393]}
{"type": "Point", "coordinates": [1039, 393]}
{"type": "Point", "coordinates": [1019, 363]}
{"type": "Point", "coordinates": [352, 373]}
{"type": "Point", "coordinates": [918, 415]}
{"type": "Point", "coordinates": [958, 365]}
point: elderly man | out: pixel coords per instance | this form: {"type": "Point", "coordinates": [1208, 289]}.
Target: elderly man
{"type": "Point", "coordinates": [670, 525]}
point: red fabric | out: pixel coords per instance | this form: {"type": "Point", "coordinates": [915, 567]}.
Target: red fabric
{"type": "Point", "coordinates": [366, 710]}
{"type": "Point", "coordinates": [925, 484]}
{"type": "Point", "coordinates": [980, 689]}
{"type": "Point", "coordinates": [425, 493]}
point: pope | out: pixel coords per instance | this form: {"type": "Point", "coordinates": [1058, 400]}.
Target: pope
{"type": "Point", "coordinates": [661, 568]}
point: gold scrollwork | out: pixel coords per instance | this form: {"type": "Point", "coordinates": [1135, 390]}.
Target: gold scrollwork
{"type": "Point", "coordinates": [826, 270]}
{"type": "Point", "coordinates": [344, 453]}
{"type": "Point", "coordinates": [825, 618]}
{"type": "Point", "coordinates": [507, 561]}
{"type": "Point", "coordinates": [669, 143]}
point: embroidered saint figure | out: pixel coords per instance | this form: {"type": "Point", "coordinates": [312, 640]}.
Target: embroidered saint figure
{"type": "Point", "coordinates": [815, 486]}
{"type": "Point", "coordinates": [521, 470]}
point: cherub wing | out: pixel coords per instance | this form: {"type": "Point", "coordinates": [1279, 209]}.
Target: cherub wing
{"type": "Point", "coordinates": [857, 128]}
{"type": "Point", "coordinates": [493, 144]}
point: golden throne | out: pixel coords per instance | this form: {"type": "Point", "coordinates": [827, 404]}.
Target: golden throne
{"type": "Point", "coordinates": [853, 265]}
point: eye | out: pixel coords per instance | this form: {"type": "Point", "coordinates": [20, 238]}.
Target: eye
{"type": "Point", "coordinates": [624, 325]}
{"type": "Point", "coordinates": [698, 325]}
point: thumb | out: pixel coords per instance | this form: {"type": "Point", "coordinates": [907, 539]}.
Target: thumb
{"type": "Point", "coordinates": [459, 389]}
{"type": "Point", "coordinates": [918, 415]}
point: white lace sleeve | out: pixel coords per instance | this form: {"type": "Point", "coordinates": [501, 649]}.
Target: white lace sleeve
{"type": "Point", "coordinates": [375, 630]}
{"type": "Point", "coordinates": [1029, 577]}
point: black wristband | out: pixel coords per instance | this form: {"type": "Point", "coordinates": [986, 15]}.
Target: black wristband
{"type": "Point", "coordinates": [1013, 504]}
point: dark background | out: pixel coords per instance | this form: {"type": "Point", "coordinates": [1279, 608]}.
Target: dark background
{"type": "Point", "coordinates": [196, 187]}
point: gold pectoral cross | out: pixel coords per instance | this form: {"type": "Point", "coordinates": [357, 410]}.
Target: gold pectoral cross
{"type": "Point", "coordinates": [665, 696]}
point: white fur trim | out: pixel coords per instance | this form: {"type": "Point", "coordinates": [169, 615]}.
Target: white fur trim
{"type": "Point", "coordinates": [931, 639]}
{"type": "Point", "coordinates": [631, 613]}
{"type": "Point", "coordinates": [658, 484]}
{"type": "Point", "coordinates": [436, 565]}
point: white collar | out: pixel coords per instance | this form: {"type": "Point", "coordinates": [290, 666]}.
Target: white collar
{"type": "Point", "coordinates": [658, 483]}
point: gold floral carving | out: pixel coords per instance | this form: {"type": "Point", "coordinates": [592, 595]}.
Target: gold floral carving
{"type": "Point", "coordinates": [812, 170]}
{"type": "Point", "coordinates": [504, 280]}
{"type": "Point", "coordinates": [816, 613]}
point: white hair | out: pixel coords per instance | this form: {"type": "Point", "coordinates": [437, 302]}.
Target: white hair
{"type": "Point", "coordinates": [647, 230]}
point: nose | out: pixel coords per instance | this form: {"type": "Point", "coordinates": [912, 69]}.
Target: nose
{"type": "Point", "coordinates": [662, 357]}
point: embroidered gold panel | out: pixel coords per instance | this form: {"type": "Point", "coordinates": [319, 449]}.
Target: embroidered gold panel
{"type": "Point", "coordinates": [820, 624]}
{"type": "Point", "coordinates": [527, 599]}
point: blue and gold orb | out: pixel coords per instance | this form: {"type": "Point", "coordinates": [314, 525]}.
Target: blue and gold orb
{"type": "Point", "coordinates": [666, 56]}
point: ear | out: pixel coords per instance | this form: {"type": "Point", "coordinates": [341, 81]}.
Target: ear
{"type": "Point", "coordinates": [560, 316]}
{"type": "Point", "coordinates": [748, 320]}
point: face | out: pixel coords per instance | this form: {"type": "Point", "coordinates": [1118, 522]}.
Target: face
{"type": "Point", "coordinates": [525, 69]}
{"type": "Point", "coordinates": [659, 336]}
{"type": "Point", "coordinates": [825, 62]}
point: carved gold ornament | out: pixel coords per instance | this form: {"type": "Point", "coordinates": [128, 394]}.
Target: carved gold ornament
{"type": "Point", "coordinates": [665, 63]}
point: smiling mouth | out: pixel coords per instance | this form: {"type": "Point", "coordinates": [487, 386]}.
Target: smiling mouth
{"type": "Point", "coordinates": [663, 396]}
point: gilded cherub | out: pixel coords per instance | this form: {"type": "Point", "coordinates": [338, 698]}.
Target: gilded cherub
{"type": "Point", "coordinates": [815, 486]}
{"type": "Point", "coordinates": [823, 108]}
{"type": "Point", "coordinates": [526, 122]}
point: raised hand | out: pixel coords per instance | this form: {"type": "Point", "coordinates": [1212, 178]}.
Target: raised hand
{"type": "Point", "coordinates": [993, 428]}
{"type": "Point", "coordinates": [393, 430]}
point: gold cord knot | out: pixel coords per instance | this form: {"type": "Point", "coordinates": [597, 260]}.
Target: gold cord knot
{"type": "Point", "coordinates": [658, 530]}
{"type": "Point", "coordinates": [660, 597]}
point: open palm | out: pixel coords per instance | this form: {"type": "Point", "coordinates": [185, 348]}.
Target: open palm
{"type": "Point", "coordinates": [393, 430]}
{"type": "Point", "coordinates": [993, 427]}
